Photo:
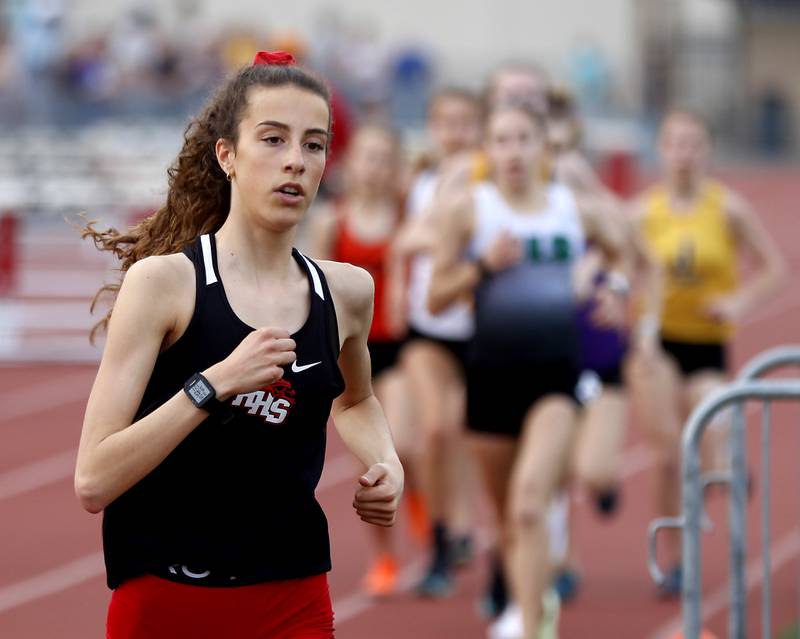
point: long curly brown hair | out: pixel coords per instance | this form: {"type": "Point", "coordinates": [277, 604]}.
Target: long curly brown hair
{"type": "Point", "coordinates": [199, 196]}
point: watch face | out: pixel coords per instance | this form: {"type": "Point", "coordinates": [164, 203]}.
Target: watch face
{"type": "Point", "coordinates": [199, 391]}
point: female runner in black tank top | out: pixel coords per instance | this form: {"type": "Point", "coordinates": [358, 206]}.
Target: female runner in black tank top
{"type": "Point", "coordinates": [208, 480]}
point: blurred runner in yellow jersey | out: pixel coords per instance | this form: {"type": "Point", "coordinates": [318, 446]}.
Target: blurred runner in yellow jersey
{"type": "Point", "coordinates": [700, 232]}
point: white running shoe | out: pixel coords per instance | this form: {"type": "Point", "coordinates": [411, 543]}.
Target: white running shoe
{"type": "Point", "coordinates": [509, 624]}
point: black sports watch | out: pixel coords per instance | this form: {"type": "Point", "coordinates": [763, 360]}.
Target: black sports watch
{"type": "Point", "coordinates": [202, 394]}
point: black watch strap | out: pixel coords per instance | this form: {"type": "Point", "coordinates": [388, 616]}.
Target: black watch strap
{"type": "Point", "coordinates": [203, 395]}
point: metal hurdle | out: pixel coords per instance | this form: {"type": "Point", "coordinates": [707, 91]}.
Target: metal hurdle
{"type": "Point", "coordinates": [746, 387]}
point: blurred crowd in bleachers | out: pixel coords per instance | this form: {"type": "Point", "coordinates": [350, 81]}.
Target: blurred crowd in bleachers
{"type": "Point", "coordinates": [138, 68]}
{"type": "Point", "coordinates": [119, 96]}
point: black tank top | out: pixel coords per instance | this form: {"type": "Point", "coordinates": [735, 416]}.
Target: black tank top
{"type": "Point", "coordinates": [234, 503]}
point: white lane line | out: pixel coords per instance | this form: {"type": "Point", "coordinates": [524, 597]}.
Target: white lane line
{"type": "Point", "coordinates": [357, 603]}
{"type": "Point", "coordinates": [783, 551]}
{"type": "Point", "coordinates": [38, 474]}
{"type": "Point", "coordinates": [636, 459]}
{"type": "Point", "coordinates": [42, 396]}
{"type": "Point", "coordinates": [52, 581]}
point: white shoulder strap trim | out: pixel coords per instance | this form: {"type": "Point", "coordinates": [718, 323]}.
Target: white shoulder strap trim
{"type": "Point", "coordinates": [314, 277]}
{"type": "Point", "coordinates": [211, 276]}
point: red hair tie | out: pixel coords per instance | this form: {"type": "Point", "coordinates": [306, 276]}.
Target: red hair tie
{"type": "Point", "coordinates": [275, 58]}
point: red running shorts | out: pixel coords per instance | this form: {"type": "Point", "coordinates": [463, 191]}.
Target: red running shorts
{"type": "Point", "coordinates": [149, 607]}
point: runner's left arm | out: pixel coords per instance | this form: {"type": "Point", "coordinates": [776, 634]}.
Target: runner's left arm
{"type": "Point", "coordinates": [356, 413]}
{"type": "Point", "coordinates": [604, 225]}
{"type": "Point", "coordinates": [626, 257]}
{"type": "Point", "coordinates": [754, 243]}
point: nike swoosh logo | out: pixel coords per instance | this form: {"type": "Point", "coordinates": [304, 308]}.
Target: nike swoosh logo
{"type": "Point", "coordinates": [300, 369]}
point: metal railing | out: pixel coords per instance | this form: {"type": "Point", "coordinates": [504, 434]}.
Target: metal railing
{"type": "Point", "coordinates": [694, 484]}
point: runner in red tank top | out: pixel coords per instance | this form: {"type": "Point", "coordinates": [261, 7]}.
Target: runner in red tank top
{"type": "Point", "coordinates": [372, 255]}
{"type": "Point", "coordinates": [360, 229]}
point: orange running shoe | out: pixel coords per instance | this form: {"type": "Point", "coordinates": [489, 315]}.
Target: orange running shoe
{"type": "Point", "coordinates": [419, 524]}
{"type": "Point", "coordinates": [381, 578]}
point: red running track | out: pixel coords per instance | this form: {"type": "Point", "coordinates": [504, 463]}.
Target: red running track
{"type": "Point", "coordinates": [51, 579]}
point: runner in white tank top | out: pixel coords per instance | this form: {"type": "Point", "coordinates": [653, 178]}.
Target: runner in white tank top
{"type": "Point", "coordinates": [436, 352]}
{"type": "Point", "coordinates": [524, 237]}
{"type": "Point", "coordinates": [557, 228]}
{"type": "Point", "coordinates": [454, 323]}
{"type": "Point", "coordinates": [525, 315]}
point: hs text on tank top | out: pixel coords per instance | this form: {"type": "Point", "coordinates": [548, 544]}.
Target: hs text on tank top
{"type": "Point", "coordinates": [454, 323]}
{"type": "Point", "coordinates": [697, 250]}
{"type": "Point", "coordinates": [234, 503]}
{"type": "Point", "coordinates": [371, 256]}
{"type": "Point", "coordinates": [526, 314]}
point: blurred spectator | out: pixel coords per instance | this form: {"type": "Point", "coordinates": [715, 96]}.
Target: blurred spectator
{"type": "Point", "coordinates": [7, 61]}
{"type": "Point", "coordinates": [134, 47]}
{"type": "Point", "coordinates": [10, 107]}
{"type": "Point", "coordinates": [773, 128]}
{"type": "Point", "coordinates": [199, 60]}
{"type": "Point", "coordinates": [365, 64]}
{"type": "Point", "coordinates": [88, 72]}
{"type": "Point", "coordinates": [412, 77]}
{"type": "Point", "coordinates": [37, 33]}
{"type": "Point", "coordinates": [290, 41]}
{"type": "Point", "coordinates": [237, 48]}
{"type": "Point", "coordinates": [327, 38]}
{"type": "Point", "coordinates": [590, 75]}
{"type": "Point", "coordinates": [352, 57]}
{"type": "Point", "coordinates": [147, 62]}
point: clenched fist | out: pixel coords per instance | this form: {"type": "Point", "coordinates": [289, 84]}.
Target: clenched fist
{"type": "Point", "coordinates": [378, 495]}
{"type": "Point", "coordinates": [256, 362]}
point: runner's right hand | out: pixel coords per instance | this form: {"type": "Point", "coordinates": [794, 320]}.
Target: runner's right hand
{"type": "Point", "coordinates": [504, 252]}
{"type": "Point", "coordinates": [610, 309]}
{"type": "Point", "coordinates": [256, 362]}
